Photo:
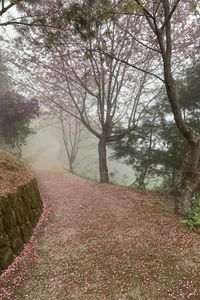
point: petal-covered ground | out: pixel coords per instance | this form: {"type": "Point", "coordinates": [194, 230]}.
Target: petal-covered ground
{"type": "Point", "coordinates": [104, 242]}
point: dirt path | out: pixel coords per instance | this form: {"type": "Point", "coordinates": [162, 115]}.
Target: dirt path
{"type": "Point", "coordinates": [108, 243]}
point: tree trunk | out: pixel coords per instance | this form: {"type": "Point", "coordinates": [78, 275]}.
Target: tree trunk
{"type": "Point", "coordinates": [173, 178]}
{"type": "Point", "coordinates": [142, 177]}
{"type": "Point", "coordinates": [103, 169]}
{"type": "Point", "coordinates": [184, 198]}
{"type": "Point", "coordinates": [190, 181]}
{"type": "Point", "coordinates": [190, 173]}
{"type": "Point", "coordinates": [190, 176]}
{"type": "Point", "coordinates": [71, 167]}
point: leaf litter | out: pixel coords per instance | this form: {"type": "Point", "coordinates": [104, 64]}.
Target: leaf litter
{"type": "Point", "coordinates": [103, 242]}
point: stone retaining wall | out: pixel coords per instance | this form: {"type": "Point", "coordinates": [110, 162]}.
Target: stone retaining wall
{"type": "Point", "coordinates": [19, 214]}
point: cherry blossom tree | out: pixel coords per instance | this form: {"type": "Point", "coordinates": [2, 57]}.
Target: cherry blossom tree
{"type": "Point", "coordinates": [164, 20]}
{"type": "Point", "coordinates": [155, 30]}
{"type": "Point", "coordinates": [28, 13]}
{"type": "Point", "coordinates": [72, 134]}
{"type": "Point", "coordinates": [170, 29]}
{"type": "Point", "coordinates": [70, 129]}
{"type": "Point", "coordinates": [98, 86]}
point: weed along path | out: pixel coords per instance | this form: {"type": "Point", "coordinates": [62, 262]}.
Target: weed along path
{"type": "Point", "coordinates": [104, 242]}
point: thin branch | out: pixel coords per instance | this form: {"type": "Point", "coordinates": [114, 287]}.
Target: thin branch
{"type": "Point", "coordinates": [32, 87]}
{"type": "Point", "coordinates": [131, 65]}
{"type": "Point", "coordinates": [138, 41]}
{"type": "Point", "coordinates": [6, 8]}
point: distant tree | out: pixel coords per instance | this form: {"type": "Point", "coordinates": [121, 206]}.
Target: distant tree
{"type": "Point", "coordinates": [72, 135]}
{"type": "Point", "coordinates": [16, 114]}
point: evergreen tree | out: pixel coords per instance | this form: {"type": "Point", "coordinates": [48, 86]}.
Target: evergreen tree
{"type": "Point", "coordinates": [156, 148]}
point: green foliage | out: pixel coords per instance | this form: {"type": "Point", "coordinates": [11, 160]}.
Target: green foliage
{"type": "Point", "coordinates": [113, 175]}
{"type": "Point", "coordinates": [130, 6]}
{"type": "Point", "coordinates": [160, 189]}
{"type": "Point", "coordinates": [192, 217]}
{"type": "Point", "coordinates": [87, 16]}
{"type": "Point", "coordinates": [156, 148]}
{"type": "Point", "coordinates": [87, 175]}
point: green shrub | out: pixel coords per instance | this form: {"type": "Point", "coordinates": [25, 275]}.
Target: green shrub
{"type": "Point", "coordinates": [192, 217]}
{"type": "Point", "coordinates": [159, 189]}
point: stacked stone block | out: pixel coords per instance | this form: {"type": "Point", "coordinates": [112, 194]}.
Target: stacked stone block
{"type": "Point", "coordinates": [19, 214]}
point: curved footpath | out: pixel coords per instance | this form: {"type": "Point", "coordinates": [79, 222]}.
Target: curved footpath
{"type": "Point", "coordinates": [104, 242]}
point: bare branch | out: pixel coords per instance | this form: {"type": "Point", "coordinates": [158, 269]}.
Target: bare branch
{"type": "Point", "coordinates": [131, 65]}
{"type": "Point", "coordinates": [6, 8]}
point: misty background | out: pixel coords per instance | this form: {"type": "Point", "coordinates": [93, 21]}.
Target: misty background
{"type": "Point", "coordinates": [45, 150]}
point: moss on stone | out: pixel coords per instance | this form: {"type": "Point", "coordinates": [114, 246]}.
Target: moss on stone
{"type": "Point", "coordinates": [6, 257]}
{"type": "Point", "coordinates": [4, 242]}
{"type": "Point", "coordinates": [25, 233]}
{"type": "Point", "coordinates": [20, 209]}
{"type": "Point", "coordinates": [15, 238]}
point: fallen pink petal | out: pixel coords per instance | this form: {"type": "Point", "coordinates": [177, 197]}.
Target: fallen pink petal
{"type": "Point", "coordinates": [119, 245]}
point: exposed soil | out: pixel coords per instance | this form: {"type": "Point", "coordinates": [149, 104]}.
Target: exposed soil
{"type": "Point", "coordinates": [105, 242]}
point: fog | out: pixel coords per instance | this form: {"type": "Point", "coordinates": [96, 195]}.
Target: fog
{"type": "Point", "coordinates": [45, 150]}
